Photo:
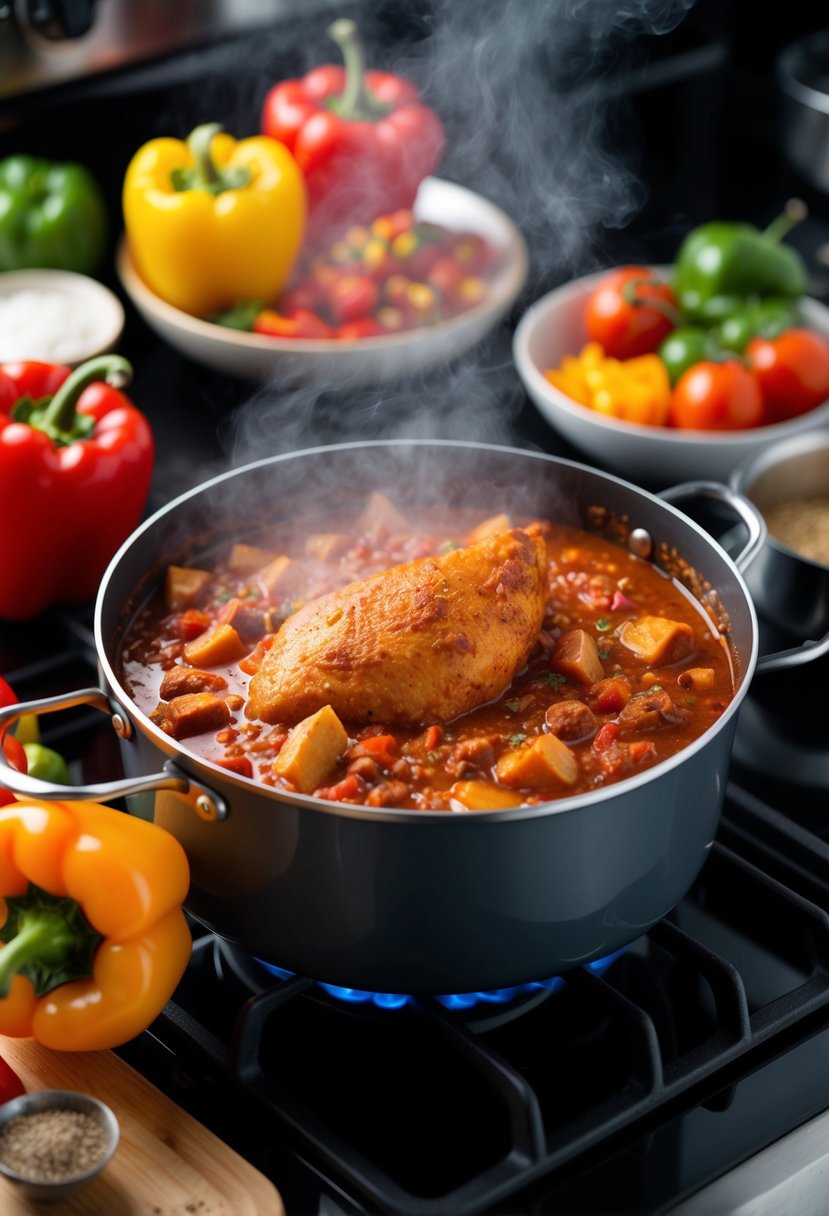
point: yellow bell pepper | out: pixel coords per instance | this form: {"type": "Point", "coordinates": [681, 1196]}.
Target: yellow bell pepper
{"type": "Point", "coordinates": [634, 390]}
{"type": "Point", "coordinates": [95, 940]}
{"type": "Point", "coordinates": [212, 221]}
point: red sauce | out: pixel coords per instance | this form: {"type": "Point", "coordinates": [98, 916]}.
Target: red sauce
{"type": "Point", "coordinates": [639, 709]}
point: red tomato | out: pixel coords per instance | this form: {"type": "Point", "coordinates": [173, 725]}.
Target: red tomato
{"type": "Point", "coordinates": [717, 397]}
{"type": "Point", "coordinates": [352, 296]}
{"type": "Point", "coordinates": [793, 372]}
{"type": "Point", "coordinates": [362, 327]}
{"type": "Point", "coordinates": [619, 317]}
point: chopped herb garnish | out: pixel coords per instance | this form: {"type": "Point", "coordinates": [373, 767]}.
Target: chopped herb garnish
{"type": "Point", "coordinates": [655, 688]}
{"type": "Point", "coordinates": [446, 545]}
{"type": "Point", "coordinates": [512, 706]}
{"type": "Point", "coordinates": [432, 757]}
{"type": "Point", "coordinates": [604, 650]}
{"type": "Point", "coordinates": [554, 679]}
{"type": "Point", "coordinates": [603, 624]}
{"type": "Point", "coordinates": [517, 739]}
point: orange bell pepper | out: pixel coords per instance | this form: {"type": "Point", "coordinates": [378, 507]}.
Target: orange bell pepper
{"type": "Point", "coordinates": [634, 390]}
{"type": "Point", "coordinates": [95, 937]}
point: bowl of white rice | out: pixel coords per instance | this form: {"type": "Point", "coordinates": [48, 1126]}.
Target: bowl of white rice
{"type": "Point", "coordinates": [55, 316]}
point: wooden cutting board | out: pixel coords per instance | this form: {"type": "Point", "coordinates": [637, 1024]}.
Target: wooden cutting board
{"type": "Point", "coordinates": [166, 1164]}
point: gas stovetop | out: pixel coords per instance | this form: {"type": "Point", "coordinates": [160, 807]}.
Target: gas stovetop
{"type": "Point", "coordinates": [621, 1087]}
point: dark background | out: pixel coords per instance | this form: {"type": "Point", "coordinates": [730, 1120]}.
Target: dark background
{"type": "Point", "coordinates": [605, 137]}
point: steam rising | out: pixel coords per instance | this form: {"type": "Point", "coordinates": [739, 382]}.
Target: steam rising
{"type": "Point", "coordinates": [522, 89]}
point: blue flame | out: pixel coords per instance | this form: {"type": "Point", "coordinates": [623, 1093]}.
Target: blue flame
{"type": "Point", "coordinates": [461, 1000]}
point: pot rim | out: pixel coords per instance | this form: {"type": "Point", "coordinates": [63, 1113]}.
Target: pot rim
{"type": "Point", "coordinates": [746, 474]}
{"type": "Point", "coordinates": [212, 774]}
{"type": "Point", "coordinates": [790, 64]}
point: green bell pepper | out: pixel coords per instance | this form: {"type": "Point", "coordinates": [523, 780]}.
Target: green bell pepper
{"type": "Point", "coordinates": [46, 764]}
{"type": "Point", "coordinates": [736, 260]}
{"type": "Point", "coordinates": [51, 215]}
{"type": "Point", "coordinates": [757, 319]}
{"type": "Point", "coordinates": [685, 346]}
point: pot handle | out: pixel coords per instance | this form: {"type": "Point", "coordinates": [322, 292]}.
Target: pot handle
{"type": "Point", "coordinates": [734, 501]}
{"type": "Point", "coordinates": [788, 660]}
{"type": "Point", "coordinates": [207, 804]}
{"type": "Point", "coordinates": [783, 660]}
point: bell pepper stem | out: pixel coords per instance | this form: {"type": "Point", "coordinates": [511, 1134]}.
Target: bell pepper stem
{"type": "Point", "coordinates": [353, 100]}
{"type": "Point", "coordinates": [794, 211]}
{"type": "Point", "coordinates": [204, 173]}
{"type": "Point", "coordinates": [59, 414]}
{"type": "Point", "coordinates": [43, 938]}
{"type": "Point", "coordinates": [198, 143]}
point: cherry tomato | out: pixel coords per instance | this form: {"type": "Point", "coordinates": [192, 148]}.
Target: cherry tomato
{"type": "Point", "coordinates": [352, 296]}
{"type": "Point", "coordinates": [619, 317]}
{"type": "Point", "coordinates": [360, 327]}
{"type": "Point", "coordinates": [717, 397]}
{"type": "Point", "coordinates": [792, 370]}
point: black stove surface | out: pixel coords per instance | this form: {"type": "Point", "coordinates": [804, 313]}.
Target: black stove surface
{"type": "Point", "coordinates": [707, 1040]}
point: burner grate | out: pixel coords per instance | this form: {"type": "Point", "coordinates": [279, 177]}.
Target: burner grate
{"type": "Point", "coordinates": [538, 1117]}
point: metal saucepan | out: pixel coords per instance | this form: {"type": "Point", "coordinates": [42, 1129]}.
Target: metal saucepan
{"type": "Point", "coordinates": [791, 592]}
{"type": "Point", "coordinates": [413, 901]}
{"type": "Point", "coordinates": [803, 76]}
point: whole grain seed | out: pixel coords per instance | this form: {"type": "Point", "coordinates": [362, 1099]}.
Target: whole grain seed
{"type": "Point", "coordinates": [803, 525]}
{"type": "Point", "coordinates": [52, 1145]}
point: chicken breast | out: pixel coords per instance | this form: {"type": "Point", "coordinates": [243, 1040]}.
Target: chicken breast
{"type": "Point", "coordinates": [423, 642]}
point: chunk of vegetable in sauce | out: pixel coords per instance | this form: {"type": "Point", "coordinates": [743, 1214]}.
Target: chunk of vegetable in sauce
{"type": "Point", "coordinates": [627, 669]}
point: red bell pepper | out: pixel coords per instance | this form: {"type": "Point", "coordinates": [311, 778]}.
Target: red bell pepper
{"type": "Point", "coordinates": [299, 323]}
{"type": "Point", "coordinates": [363, 140]}
{"type": "Point", "coordinates": [76, 458]}
{"type": "Point", "coordinates": [10, 1084]}
{"type": "Point", "coordinates": [16, 756]}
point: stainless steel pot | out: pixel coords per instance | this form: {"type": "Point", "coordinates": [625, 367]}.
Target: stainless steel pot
{"type": "Point", "coordinates": [803, 76]}
{"type": "Point", "coordinates": [413, 901]}
{"type": "Point", "coordinates": [790, 591]}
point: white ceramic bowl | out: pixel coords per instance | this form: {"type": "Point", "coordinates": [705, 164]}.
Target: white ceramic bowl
{"type": "Point", "coordinates": [94, 317]}
{"type": "Point", "coordinates": [369, 360]}
{"type": "Point", "coordinates": [554, 327]}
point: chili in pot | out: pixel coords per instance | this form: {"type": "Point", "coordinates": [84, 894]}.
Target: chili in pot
{"type": "Point", "coordinates": [620, 670]}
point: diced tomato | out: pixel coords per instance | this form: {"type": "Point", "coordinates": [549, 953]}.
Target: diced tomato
{"type": "Point", "coordinates": [251, 663]}
{"type": "Point", "coordinates": [189, 624]}
{"type": "Point", "coordinates": [381, 749]}
{"type": "Point", "coordinates": [351, 786]}
{"type": "Point", "coordinates": [433, 737]}
{"type": "Point", "coordinates": [237, 764]}
{"type": "Point", "coordinates": [609, 696]}
{"type": "Point", "coordinates": [642, 749]}
{"type": "Point", "coordinates": [608, 734]}
{"type": "Point", "coordinates": [378, 743]}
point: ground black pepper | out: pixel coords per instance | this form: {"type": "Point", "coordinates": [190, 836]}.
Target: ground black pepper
{"type": "Point", "coordinates": [52, 1145]}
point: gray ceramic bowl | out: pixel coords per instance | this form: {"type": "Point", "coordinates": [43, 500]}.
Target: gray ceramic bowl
{"type": "Point", "coordinates": [60, 1099]}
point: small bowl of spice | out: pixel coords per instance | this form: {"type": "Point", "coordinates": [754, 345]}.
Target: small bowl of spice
{"type": "Point", "coordinates": [789, 579]}
{"type": "Point", "coordinates": [56, 316]}
{"type": "Point", "coordinates": [53, 1141]}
